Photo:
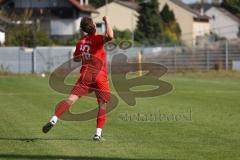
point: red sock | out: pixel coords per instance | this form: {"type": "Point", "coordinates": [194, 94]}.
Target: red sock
{"type": "Point", "coordinates": [101, 118]}
{"type": "Point", "coordinates": [62, 107]}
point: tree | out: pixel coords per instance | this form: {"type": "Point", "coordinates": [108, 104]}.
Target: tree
{"type": "Point", "coordinates": [232, 6]}
{"type": "Point", "coordinates": [171, 29]}
{"type": "Point", "coordinates": [24, 34]}
{"type": "Point", "coordinates": [167, 15]}
{"type": "Point", "coordinates": [149, 30]}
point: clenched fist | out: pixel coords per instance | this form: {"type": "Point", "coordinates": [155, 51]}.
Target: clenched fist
{"type": "Point", "coordinates": [105, 19]}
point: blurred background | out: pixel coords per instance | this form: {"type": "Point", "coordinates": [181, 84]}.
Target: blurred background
{"type": "Point", "coordinates": [37, 36]}
{"type": "Point", "coordinates": [197, 40]}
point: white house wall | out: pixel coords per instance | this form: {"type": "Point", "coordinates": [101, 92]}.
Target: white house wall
{"type": "Point", "coordinates": [222, 25]}
{"type": "Point", "coordinates": [62, 27]}
{"type": "Point", "coordinates": [200, 29]}
{"type": "Point", "coordinates": [77, 24]}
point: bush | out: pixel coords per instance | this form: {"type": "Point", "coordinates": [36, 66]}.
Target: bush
{"type": "Point", "coordinates": [42, 39]}
{"type": "Point", "coordinates": [21, 35]}
{"type": "Point", "coordinates": [24, 34]}
{"type": "Point", "coordinates": [122, 35]}
{"type": "Point", "coordinates": [4, 70]}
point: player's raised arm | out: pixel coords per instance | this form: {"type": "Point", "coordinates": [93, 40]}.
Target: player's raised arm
{"type": "Point", "coordinates": [108, 30]}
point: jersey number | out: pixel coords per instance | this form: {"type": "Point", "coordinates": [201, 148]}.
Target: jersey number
{"type": "Point", "coordinates": [84, 48]}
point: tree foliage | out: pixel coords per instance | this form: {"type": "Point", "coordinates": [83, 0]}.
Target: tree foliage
{"type": "Point", "coordinates": [171, 29]}
{"type": "Point", "coordinates": [122, 35]}
{"type": "Point", "coordinates": [23, 33]}
{"type": "Point", "coordinates": [154, 27]}
{"type": "Point", "coordinates": [233, 6]}
{"type": "Point", "coordinates": [98, 3]}
{"type": "Point", "coordinates": [166, 15]}
{"type": "Point", "coordinates": [149, 29]}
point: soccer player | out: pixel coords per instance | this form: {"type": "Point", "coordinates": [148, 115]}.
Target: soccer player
{"type": "Point", "coordinates": [93, 74]}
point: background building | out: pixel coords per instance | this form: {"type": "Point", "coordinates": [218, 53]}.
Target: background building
{"type": "Point", "coordinates": [122, 15]}
{"type": "Point", "coordinates": [223, 23]}
{"type": "Point", "coordinates": [193, 24]}
{"type": "Point", "coordinates": [55, 17]}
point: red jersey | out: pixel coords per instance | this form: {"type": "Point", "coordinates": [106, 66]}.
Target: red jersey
{"type": "Point", "coordinates": [94, 45]}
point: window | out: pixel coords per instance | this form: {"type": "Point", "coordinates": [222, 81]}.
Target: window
{"type": "Point", "coordinates": [100, 27]}
{"type": "Point", "coordinates": [213, 17]}
{"type": "Point", "coordinates": [66, 13]}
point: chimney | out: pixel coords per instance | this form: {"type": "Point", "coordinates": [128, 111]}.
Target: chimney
{"type": "Point", "coordinates": [202, 8]}
{"type": "Point", "coordinates": [81, 2]}
{"type": "Point", "coordinates": [202, 11]}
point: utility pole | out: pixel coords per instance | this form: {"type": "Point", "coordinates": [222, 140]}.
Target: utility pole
{"type": "Point", "coordinates": [106, 8]}
{"type": "Point", "coordinates": [226, 54]}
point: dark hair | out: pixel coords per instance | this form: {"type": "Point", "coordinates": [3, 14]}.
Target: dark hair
{"type": "Point", "coordinates": [87, 25]}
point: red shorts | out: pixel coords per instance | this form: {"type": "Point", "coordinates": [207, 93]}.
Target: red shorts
{"type": "Point", "coordinates": [89, 82]}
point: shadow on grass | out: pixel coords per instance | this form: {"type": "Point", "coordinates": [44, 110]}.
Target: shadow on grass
{"type": "Point", "coordinates": [42, 139]}
{"type": "Point", "coordinates": [59, 157]}
{"type": "Point", "coordinates": [44, 157]}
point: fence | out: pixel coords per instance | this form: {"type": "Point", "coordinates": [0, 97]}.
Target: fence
{"type": "Point", "coordinates": [46, 59]}
{"type": "Point", "coordinates": [197, 59]}
{"type": "Point", "coordinates": [37, 60]}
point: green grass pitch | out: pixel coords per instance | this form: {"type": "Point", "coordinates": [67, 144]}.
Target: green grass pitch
{"type": "Point", "coordinates": [199, 120]}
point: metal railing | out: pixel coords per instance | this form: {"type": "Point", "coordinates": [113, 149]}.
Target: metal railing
{"type": "Point", "coordinates": [46, 59]}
